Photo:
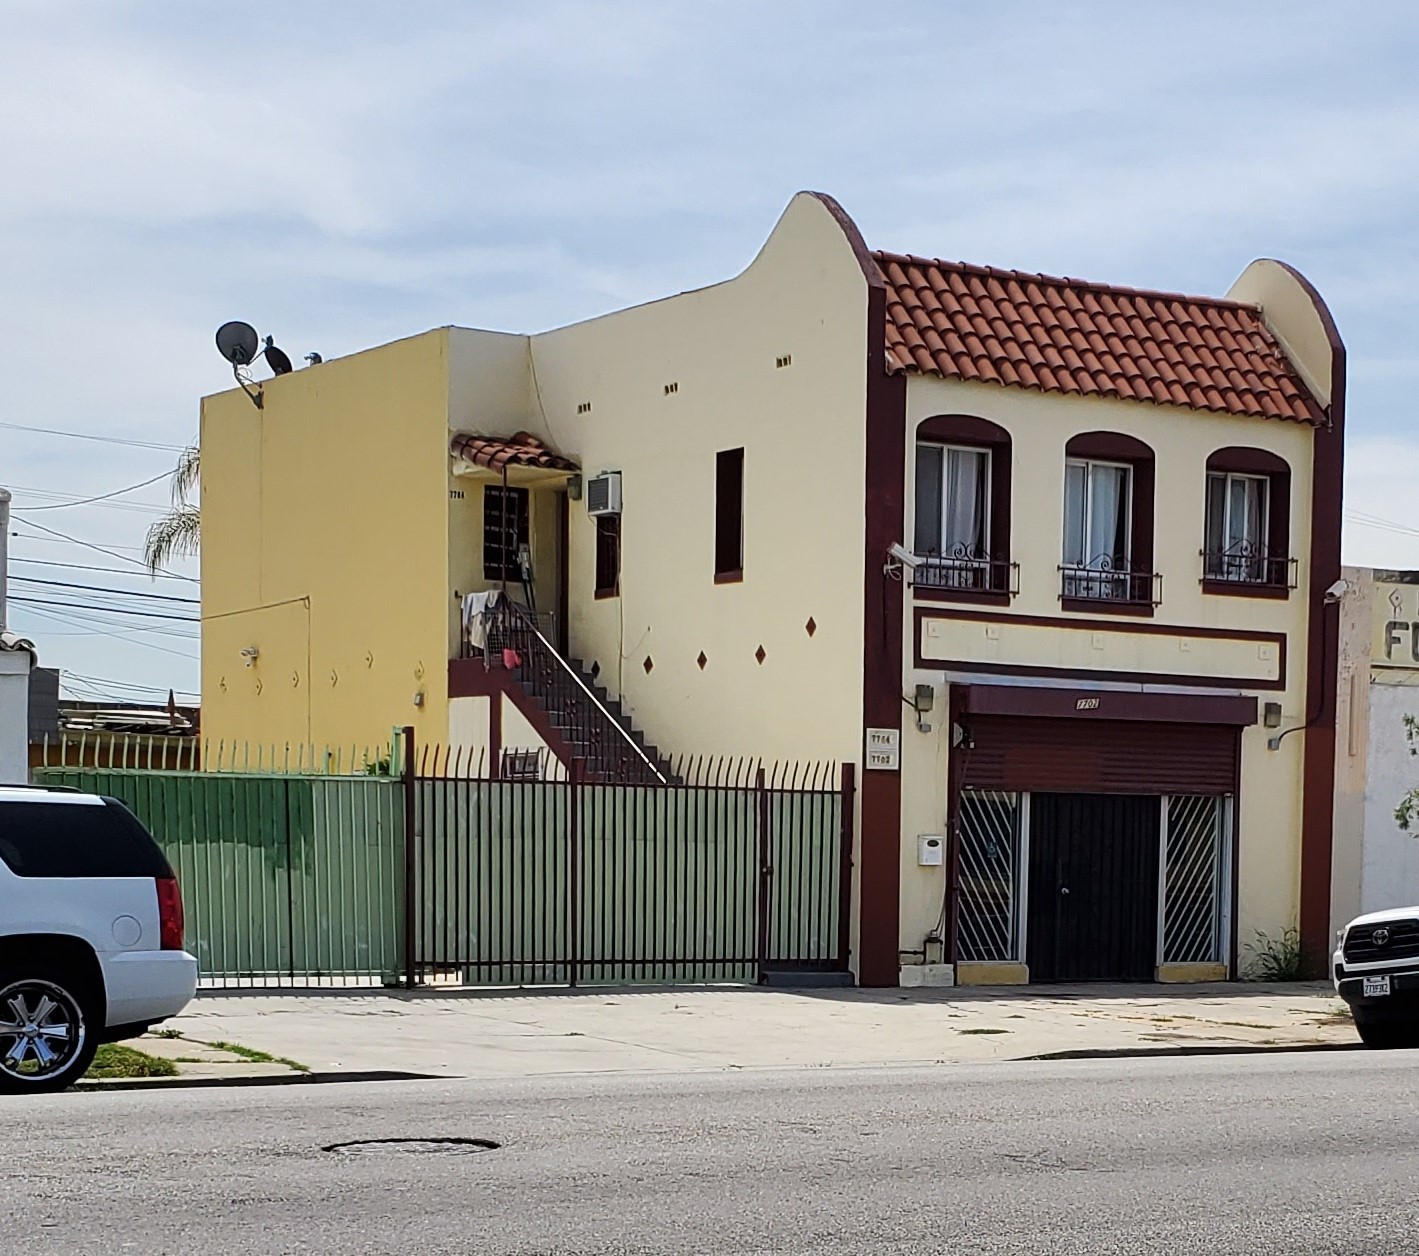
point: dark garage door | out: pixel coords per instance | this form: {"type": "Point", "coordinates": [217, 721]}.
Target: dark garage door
{"type": "Point", "coordinates": [1093, 890]}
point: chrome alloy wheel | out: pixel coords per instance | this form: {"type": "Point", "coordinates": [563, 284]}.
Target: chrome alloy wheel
{"type": "Point", "coordinates": [41, 1030]}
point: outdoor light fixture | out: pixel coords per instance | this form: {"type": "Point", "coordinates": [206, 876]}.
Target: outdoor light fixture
{"type": "Point", "coordinates": [251, 653]}
{"type": "Point", "coordinates": [922, 702]}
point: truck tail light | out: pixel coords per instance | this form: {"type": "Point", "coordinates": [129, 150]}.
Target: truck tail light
{"type": "Point", "coordinates": [170, 922]}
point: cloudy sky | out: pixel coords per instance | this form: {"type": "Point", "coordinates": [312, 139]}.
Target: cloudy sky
{"type": "Point", "coordinates": [341, 174]}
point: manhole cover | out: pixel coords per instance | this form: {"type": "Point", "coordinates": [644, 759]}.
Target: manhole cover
{"type": "Point", "coordinates": [415, 1146]}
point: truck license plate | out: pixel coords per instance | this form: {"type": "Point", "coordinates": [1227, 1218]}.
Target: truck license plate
{"type": "Point", "coordinates": [1375, 986]}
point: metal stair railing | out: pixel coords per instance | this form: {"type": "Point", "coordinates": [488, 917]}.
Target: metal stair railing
{"type": "Point", "coordinates": [594, 734]}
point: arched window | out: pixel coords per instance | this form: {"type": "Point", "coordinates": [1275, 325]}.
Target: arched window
{"type": "Point", "coordinates": [1107, 556]}
{"type": "Point", "coordinates": [1247, 534]}
{"type": "Point", "coordinates": [962, 527]}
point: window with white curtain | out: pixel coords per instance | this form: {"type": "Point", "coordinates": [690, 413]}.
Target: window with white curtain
{"type": "Point", "coordinates": [1098, 504]}
{"type": "Point", "coordinates": [1237, 525]}
{"type": "Point", "coordinates": [953, 515]}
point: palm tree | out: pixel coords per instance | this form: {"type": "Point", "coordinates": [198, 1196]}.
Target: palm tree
{"type": "Point", "coordinates": [178, 533]}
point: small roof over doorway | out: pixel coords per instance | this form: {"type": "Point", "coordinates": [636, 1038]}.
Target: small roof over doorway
{"type": "Point", "coordinates": [521, 458]}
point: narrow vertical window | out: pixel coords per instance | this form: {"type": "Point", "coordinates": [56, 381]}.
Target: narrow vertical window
{"type": "Point", "coordinates": [729, 516]}
{"type": "Point", "coordinates": [608, 555]}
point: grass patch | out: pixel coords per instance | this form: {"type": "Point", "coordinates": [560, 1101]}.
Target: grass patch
{"type": "Point", "coordinates": [258, 1057]}
{"type": "Point", "coordinates": [114, 1061]}
{"type": "Point", "coordinates": [167, 1033]}
{"type": "Point", "coordinates": [985, 1031]}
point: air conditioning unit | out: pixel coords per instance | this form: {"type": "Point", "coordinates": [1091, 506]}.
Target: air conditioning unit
{"type": "Point", "coordinates": [603, 494]}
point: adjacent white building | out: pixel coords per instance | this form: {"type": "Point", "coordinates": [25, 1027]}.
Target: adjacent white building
{"type": "Point", "coordinates": [1376, 863]}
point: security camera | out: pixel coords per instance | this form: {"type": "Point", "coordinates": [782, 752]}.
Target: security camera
{"type": "Point", "coordinates": [1337, 591]}
{"type": "Point", "coordinates": [904, 556]}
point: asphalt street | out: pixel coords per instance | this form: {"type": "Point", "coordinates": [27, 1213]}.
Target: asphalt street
{"type": "Point", "coordinates": [1255, 1154]}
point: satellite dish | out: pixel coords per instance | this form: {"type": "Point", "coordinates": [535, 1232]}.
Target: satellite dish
{"type": "Point", "coordinates": [238, 343]}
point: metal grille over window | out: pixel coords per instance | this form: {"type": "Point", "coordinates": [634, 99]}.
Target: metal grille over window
{"type": "Point", "coordinates": [1195, 881]}
{"type": "Point", "coordinates": [505, 531]}
{"type": "Point", "coordinates": [988, 926]}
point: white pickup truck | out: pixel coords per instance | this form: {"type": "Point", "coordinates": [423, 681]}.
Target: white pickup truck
{"type": "Point", "coordinates": [1376, 971]}
{"type": "Point", "coordinates": [90, 934]}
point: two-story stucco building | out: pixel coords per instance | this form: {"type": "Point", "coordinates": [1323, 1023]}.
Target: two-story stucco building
{"type": "Point", "coordinates": [1045, 560]}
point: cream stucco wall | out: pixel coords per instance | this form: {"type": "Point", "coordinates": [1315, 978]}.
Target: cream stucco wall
{"type": "Point", "coordinates": [1040, 425]}
{"type": "Point", "coordinates": [802, 427]}
{"type": "Point", "coordinates": [324, 547]}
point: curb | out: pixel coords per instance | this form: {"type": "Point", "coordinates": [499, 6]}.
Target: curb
{"type": "Point", "coordinates": [265, 1079]}
{"type": "Point", "coordinates": [1138, 1053]}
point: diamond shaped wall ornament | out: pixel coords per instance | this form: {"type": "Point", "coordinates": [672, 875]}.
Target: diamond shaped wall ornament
{"type": "Point", "coordinates": [595, 669]}
{"type": "Point", "coordinates": [811, 626]}
{"type": "Point", "coordinates": [761, 654]}
{"type": "Point", "coordinates": [649, 664]}
{"type": "Point", "coordinates": [702, 660]}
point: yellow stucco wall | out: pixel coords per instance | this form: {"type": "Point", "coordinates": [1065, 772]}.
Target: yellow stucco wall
{"type": "Point", "coordinates": [1040, 425]}
{"type": "Point", "coordinates": [804, 296]}
{"type": "Point", "coordinates": [324, 547]}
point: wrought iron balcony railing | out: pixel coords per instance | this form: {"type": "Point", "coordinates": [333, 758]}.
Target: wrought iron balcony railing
{"type": "Point", "coordinates": [1102, 582]}
{"type": "Point", "coordinates": [966, 572]}
{"type": "Point", "coordinates": [1245, 567]}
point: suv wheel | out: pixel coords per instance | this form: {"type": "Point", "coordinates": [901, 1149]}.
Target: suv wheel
{"type": "Point", "coordinates": [47, 1039]}
{"type": "Point", "coordinates": [1386, 1034]}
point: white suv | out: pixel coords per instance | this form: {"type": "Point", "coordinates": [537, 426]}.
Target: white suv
{"type": "Point", "coordinates": [1376, 970]}
{"type": "Point", "coordinates": [90, 934]}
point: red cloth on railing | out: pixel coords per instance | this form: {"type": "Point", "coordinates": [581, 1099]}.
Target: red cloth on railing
{"type": "Point", "coordinates": [511, 659]}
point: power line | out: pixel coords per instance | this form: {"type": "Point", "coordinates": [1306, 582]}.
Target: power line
{"type": "Point", "coordinates": [107, 440]}
{"type": "Point", "coordinates": [113, 571]}
{"type": "Point", "coordinates": [123, 558]}
{"type": "Point", "coordinates": [1384, 525]}
{"type": "Point", "coordinates": [99, 588]}
{"type": "Point", "coordinates": [127, 684]}
{"type": "Point", "coordinates": [109, 630]}
{"type": "Point", "coordinates": [93, 617]}
{"type": "Point", "coordinates": [102, 497]}
{"type": "Point", "coordinates": [111, 610]}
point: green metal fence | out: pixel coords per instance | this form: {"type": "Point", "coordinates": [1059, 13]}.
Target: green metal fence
{"type": "Point", "coordinates": [726, 877]}
{"type": "Point", "coordinates": [297, 877]}
{"type": "Point", "coordinates": [286, 879]}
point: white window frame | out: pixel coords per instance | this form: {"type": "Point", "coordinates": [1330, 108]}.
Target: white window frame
{"type": "Point", "coordinates": [987, 497]}
{"type": "Point", "coordinates": [1218, 567]}
{"type": "Point", "coordinates": [1088, 464]}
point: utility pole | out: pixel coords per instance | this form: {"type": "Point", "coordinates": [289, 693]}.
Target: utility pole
{"type": "Point", "coordinates": [4, 556]}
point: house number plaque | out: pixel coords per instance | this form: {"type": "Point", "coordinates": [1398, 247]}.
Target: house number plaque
{"type": "Point", "coordinates": [884, 749]}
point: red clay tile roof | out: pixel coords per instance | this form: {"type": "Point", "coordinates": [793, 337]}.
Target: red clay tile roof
{"type": "Point", "coordinates": [1066, 336]}
{"type": "Point", "coordinates": [497, 452]}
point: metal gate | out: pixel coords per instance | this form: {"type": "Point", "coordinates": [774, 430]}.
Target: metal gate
{"type": "Point", "coordinates": [738, 873]}
{"type": "Point", "coordinates": [1185, 891]}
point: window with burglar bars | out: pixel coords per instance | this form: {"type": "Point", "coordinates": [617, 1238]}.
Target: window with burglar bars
{"type": "Point", "coordinates": [504, 531]}
{"type": "Point", "coordinates": [988, 924]}
{"type": "Point", "coordinates": [1196, 876]}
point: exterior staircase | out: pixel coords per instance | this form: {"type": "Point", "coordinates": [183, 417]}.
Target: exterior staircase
{"type": "Point", "coordinates": [603, 742]}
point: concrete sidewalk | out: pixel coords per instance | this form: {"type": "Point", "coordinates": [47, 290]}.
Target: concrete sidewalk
{"type": "Point", "coordinates": [524, 1033]}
